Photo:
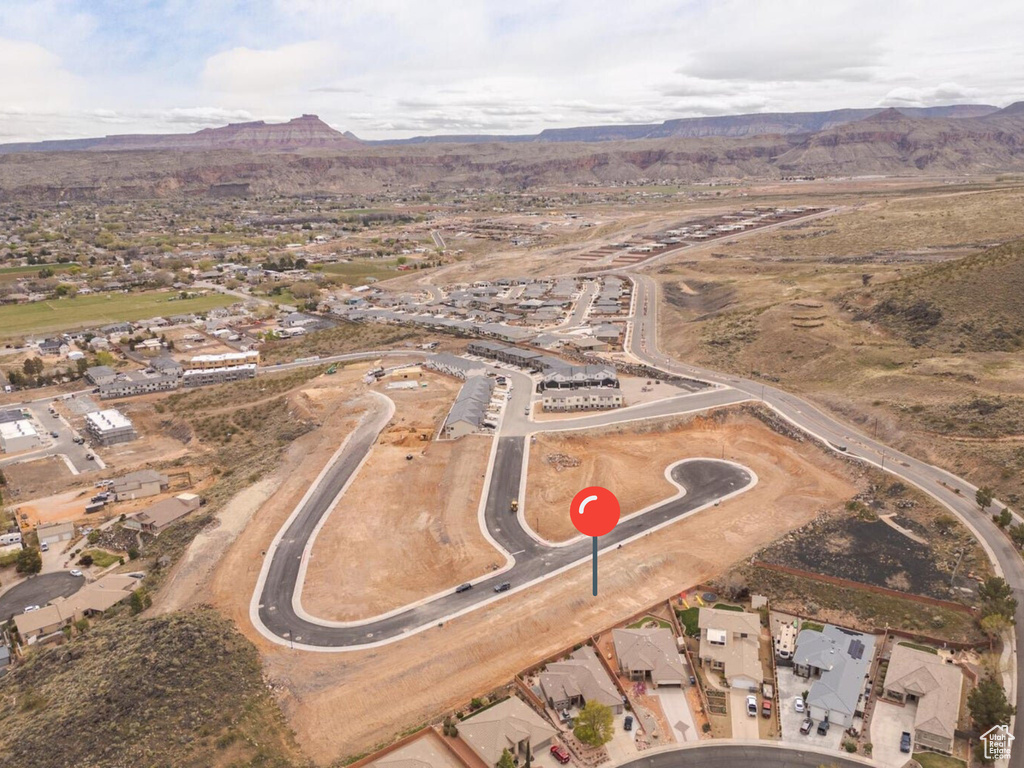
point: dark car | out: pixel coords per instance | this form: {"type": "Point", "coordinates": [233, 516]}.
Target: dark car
{"type": "Point", "coordinates": [505, 586]}
{"type": "Point", "coordinates": [823, 728]}
{"type": "Point", "coordinates": [905, 742]}
{"type": "Point", "coordinates": [463, 587]}
{"type": "Point", "coordinates": [627, 724]}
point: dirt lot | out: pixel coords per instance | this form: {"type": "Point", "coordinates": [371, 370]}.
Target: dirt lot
{"type": "Point", "coordinates": [795, 479]}
{"type": "Point", "coordinates": [344, 704]}
{"type": "Point", "coordinates": [41, 477]}
{"type": "Point", "coordinates": [419, 528]}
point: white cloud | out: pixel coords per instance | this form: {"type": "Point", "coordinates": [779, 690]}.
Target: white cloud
{"type": "Point", "coordinates": [243, 71]}
{"type": "Point", "coordinates": [31, 76]}
{"type": "Point", "coordinates": [947, 93]}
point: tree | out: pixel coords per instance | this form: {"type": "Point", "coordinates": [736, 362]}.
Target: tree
{"type": "Point", "coordinates": [29, 561]}
{"type": "Point", "coordinates": [984, 497]}
{"type": "Point", "coordinates": [997, 597]}
{"type": "Point", "coordinates": [85, 560]}
{"type": "Point", "coordinates": [506, 761]}
{"type": "Point", "coordinates": [993, 626]}
{"type": "Point", "coordinates": [988, 705]}
{"type": "Point", "coordinates": [1017, 535]}
{"type": "Point", "coordinates": [594, 724]}
{"type": "Point", "coordinates": [1004, 518]}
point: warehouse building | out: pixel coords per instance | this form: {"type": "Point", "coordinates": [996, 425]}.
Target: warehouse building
{"type": "Point", "coordinates": [17, 436]}
{"type": "Point", "coordinates": [469, 409]}
{"type": "Point", "coordinates": [207, 376]}
{"type": "Point", "coordinates": [109, 427]}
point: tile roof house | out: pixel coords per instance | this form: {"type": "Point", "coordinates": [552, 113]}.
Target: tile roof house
{"type": "Point", "coordinates": [649, 654]}
{"type": "Point", "coordinates": [837, 660]}
{"type": "Point", "coordinates": [579, 679]}
{"type": "Point", "coordinates": [510, 725]}
{"type": "Point", "coordinates": [730, 645]}
{"type": "Point", "coordinates": [922, 678]}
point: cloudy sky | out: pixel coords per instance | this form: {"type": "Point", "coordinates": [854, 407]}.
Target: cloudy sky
{"type": "Point", "coordinates": [396, 68]}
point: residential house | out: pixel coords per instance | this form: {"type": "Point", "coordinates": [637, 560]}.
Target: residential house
{"type": "Point", "coordinates": [577, 680]}
{"type": "Point", "coordinates": [139, 485]}
{"type": "Point", "coordinates": [934, 687]}
{"type": "Point", "coordinates": [836, 661]}
{"type": "Point", "coordinates": [730, 645]}
{"type": "Point", "coordinates": [510, 725]}
{"type": "Point", "coordinates": [469, 409]}
{"type": "Point", "coordinates": [649, 654]}
{"type": "Point", "coordinates": [157, 517]}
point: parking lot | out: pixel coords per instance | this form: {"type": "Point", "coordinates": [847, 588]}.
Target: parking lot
{"type": "Point", "coordinates": [46, 424]}
{"type": "Point", "coordinates": [888, 722]}
{"type": "Point", "coordinates": [791, 687]}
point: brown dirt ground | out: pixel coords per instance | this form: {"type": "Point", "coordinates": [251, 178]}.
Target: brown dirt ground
{"type": "Point", "coordinates": [428, 518]}
{"type": "Point", "coordinates": [39, 477]}
{"type": "Point", "coordinates": [795, 480]}
{"type": "Point", "coordinates": [344, 704]}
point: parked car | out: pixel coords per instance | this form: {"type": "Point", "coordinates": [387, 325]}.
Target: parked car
{"type": "Point", "coordinates": [54, 435]}
{"type": "Point", "coordinates": [75, 572]}
{"type": "Point", "coordinates": [798, 704]}
{"type": "Point", "coordinates": [905, 741]}
{"type": "Point", "coordinates": [806, 725]}
{"type": "Point", "coordinates": [505, 586]}
{"type": "Point", "coordinates": [766, 708]}
{"type": "Point", "coordinates": [30, 608]}
{"type": "Point", "coordinates": [90, 457]}
{"type": "Point", "coordinates": [560, 753]}
{"type": "Point", "coordinates": [823, 728]}
{"type": "Point", "coordinates": [44, 547]}
{"type": "Point", "coordinates": [627, 724]}
{"type": "Point", "coordinates": [463, 587]}
{"type": "Point", "coordinates": [752, 706]}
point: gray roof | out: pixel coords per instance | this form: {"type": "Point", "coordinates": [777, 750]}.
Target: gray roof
{"type": "Point", "coordinates": [471, 404]}
{"type": "Point", "coordinates": [844, 658]}
{"type": "Point", "coordinates": [580, 675]}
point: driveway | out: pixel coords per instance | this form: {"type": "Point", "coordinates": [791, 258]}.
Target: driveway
{"type": "Point", "coordinates": [887, 724]}
{"type": "Point", "coordinates": [622, 747]}
{"type": "Point", "coordinates": [790, 687]}
{"type": "Point", "coordinates": [743, 725]}
{"type": "Point", "coordinates": [677, 712]}
{"type": "Point", "coordinates": [38, 590]}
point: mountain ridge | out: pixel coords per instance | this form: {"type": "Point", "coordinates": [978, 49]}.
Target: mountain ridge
{"type": "Point", "coordinates": [310, 132]}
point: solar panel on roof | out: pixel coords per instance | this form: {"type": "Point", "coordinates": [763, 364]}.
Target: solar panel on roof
{"type": "Point", "coordinates": [856, 649]}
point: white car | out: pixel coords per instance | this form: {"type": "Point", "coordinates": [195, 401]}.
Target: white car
{"type": "Point", "coordinates": [76, 572]}
{"type": "Point", "coordinates": [752, 706]}
{"type": "Point", "coordinates": [798, 704]}
{"type": "Point", "coordinates": [30, 608]}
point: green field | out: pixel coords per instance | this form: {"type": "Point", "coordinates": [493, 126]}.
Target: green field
{"type": "Point", "coordinates": [9, 274]}
{"type": "Point", "coordinates": [80, 311]}
{"type": "Point", "coordinates": [356, 272]}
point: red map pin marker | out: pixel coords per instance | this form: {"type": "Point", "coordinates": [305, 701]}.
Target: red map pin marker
{"type": "Point", "coordinates": [594, 511]}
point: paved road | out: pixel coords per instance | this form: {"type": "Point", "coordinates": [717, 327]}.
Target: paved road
{"type": "Point", "coordinates": [276, 615]}
{"type": "Point", "coordinates": [953, 492]}
{"type": "Point", "coordinates": [38, 590]}
{"type": "Point", "coordinates": [732, 755]}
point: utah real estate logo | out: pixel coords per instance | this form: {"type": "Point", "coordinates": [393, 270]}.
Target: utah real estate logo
{"type": "Point", "coordinates": [997, 742]}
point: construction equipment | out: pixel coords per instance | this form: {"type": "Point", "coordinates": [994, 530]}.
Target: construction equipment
{"type": "Point", "coordinates": [332, 370]}
{"type": "Point", "coordinates": [514, 506]}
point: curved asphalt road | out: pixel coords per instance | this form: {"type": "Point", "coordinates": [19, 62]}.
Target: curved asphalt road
{"type": "Point", "coordinates": [734, 755]}
{"type": "Point", "coordinates": [953, 492]}
{"type": "Point", "coordinates": [705, 481]}
{"type": "Point", "coordinates": [38, 590]}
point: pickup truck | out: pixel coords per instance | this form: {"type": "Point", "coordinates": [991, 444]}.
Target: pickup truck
{"type": "Point", "coordinates": [766, 708]}
{"type": "Point", "coordinates": [905, 742]}
{"type": "Point", "coordinates": [560, 753]}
